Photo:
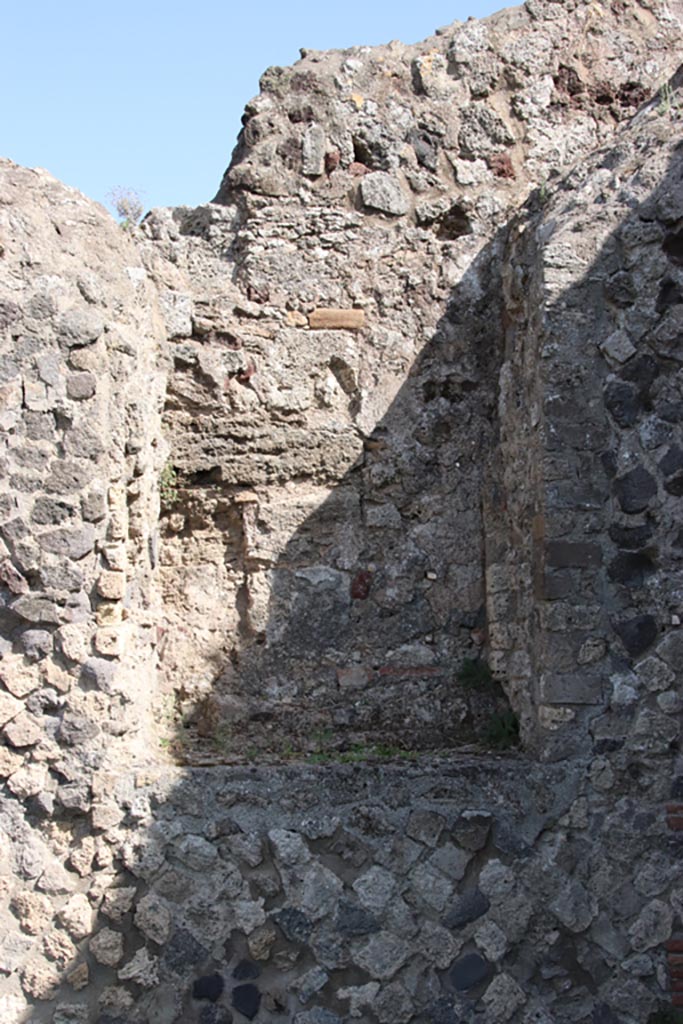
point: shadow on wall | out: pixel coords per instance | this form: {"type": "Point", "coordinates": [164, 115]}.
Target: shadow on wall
{"type": "Point", "coordinates": [362, 631]}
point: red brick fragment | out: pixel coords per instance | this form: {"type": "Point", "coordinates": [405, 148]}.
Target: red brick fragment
{"type": "Point", "coordinates": [675, 823]}
{"type": "Point", "coordinates": [360, 585]}
{"type": "Point", "coordinates": [501, 165]}
{"type": "Point", "coordinates": [674, 945]}
{"type": "Point", "coordinates": [332, 160]}
{"type": "Point", "coordinates": [674, 808]}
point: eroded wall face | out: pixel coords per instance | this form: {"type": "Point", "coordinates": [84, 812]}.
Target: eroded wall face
{"type": "Point", "coordinates": [326, 557]}
{"type": "Point", "coordinates": [329, 493]}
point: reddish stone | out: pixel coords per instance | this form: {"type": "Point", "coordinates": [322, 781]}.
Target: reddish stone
{"type": "Point", "coordinates": [674, 808]}
{"type": "Point", "coordinates": [360, 585]}
{"type": "Point", "coordinates": [245, 375]}
{"type": "Point", "coordinates": [674, 945]}
{"type": "Point", "coordinates": [332, 160]}
{"type": "Point", "coordinates": [358, 170]}
{"type": "Point", "coordinates": [501, 165]}
{"type": "Point", "coordinates": [677, 999]}
{"type": "Point", "coordinates": [675, 824]}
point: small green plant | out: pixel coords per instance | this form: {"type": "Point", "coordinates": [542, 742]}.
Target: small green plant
{"type": "Point", "coordinates": [475, 673]}
{"type": "Point", "coordinates": [168, 486]}
{"type": "Point", "coordinates": [667, 101]}
{"type": "Point", "coordinates": [360, 752]}
{"type": "Point", "coordinates": [223, 737]}
{"type": "Point", "coordinates": [319, 757]}
{"type": "Point", "coordinates": [127, 205]}
{"type": "Point", "coordinates": [502, 731]}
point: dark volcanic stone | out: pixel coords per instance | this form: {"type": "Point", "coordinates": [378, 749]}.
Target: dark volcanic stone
{"type": "Point", "coordinates": [507, 839]}
{"type": "Point", "coordinates": [353, 920]}
{"type": "Point", "coordinates": [318, 1015]}
{"type": "Point", "coordinates": [635, 490]}
{"type": "Point", "coordinates": [607, 746]}
{"type": "Point", "coordinates": [215, 1015]}
{"type": "Point", "coordinates": [470, 971]}
{"type": "Point", "coordinates": [50, 512]}
{"type": "Point", "coordinates": [75, 729]}
{"type": "Point", "coordinates": [472, 828]}
{"type": "Point", "coordinates": [35, 643]}
{"type": "Point", "coordinates": [631, 568]}
{"type": "Point", "coordinates": [673, 247]}
{"type": "Point", "coordinates": [246, 970]}
{"type": "Point", "coordinates": [246, 999]}
{"type": "Point", "coordinates": [294, 925]}
{"type": "Point", "coordinates": [630, 537]}
{"type": "Point", "coordinates": [671, 411]}
{"type": "Point", "coordinates": [623, 402]}
{"type": "Point", "coordinates": [669, 295]}
{"type": "Point", "coordinates": [637, 634]}
{"type": "Point", "coordinates": [672, 462]}
{"type": "Point", "coordinates": [619, 289]}
{"type": "Point", "coordinates": [469, 907]}
{"type": "Point", "coordinates": [674, 485]}
{"type": "Point", "coordinates": [183, 951]}
{"type": "Point", "coordinates": [209, 987]}
{"type": "Point", "coordinates": [641, 371]}
{"type": "Point", "coordinates": [603, 1015]}
{"type": "Point", "coordinates": [443, 1012]}
{"type": "Point", "coordinates": [608, 461]}
{"type": "Point", "coordinates": [564, 554]}
{"type": "Point", "coordinates": [426, 146]}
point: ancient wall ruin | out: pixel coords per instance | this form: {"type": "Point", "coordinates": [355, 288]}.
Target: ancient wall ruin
{"type": "Point", "coordinates": [283, 476]}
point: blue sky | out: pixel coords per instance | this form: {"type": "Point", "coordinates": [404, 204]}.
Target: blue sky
{"type": "Point", "coordinates": [149, 96]}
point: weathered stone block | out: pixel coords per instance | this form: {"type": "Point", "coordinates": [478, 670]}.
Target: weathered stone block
{"type": "Point", "coordinates": [112, 585]}
{"type": "Point", "coordinates": [567, 554]}
{"type": "Point", "coordinates": [635, 490]}
{"type": "Point", "coordinates": [69, 543]}
{"type": "Point", "coordinates": [81, 386]}
{"type": "Point", "coordinates": [582, 688]}
{"type": "Point", "coordinates": [637, 634]}
{"type": "Point", "coordinates": [313, 148]}
{"type": "Point", "coordinates": [383, 192]}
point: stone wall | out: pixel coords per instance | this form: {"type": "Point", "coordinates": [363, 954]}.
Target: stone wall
{"type": "Point", "coordinates": [592, 386]}
{"type": "Point", "coordinates": [403, 399]}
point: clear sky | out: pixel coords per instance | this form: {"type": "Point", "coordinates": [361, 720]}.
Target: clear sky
{"type": "Point", "coordinates": [148, 95]}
